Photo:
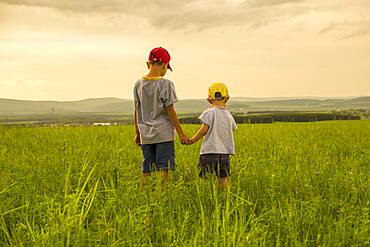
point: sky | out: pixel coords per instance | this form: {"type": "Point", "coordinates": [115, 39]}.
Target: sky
{"type": "Point", "coordinates": [77, 49]}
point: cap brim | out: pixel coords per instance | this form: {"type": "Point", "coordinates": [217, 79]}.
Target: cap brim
{"type": "Point", "coordinates": [169, 67]}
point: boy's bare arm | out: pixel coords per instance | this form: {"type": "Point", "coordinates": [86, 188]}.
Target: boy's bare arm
{"type": "Point", "coordinates": [171, 112]}
{"type": "Point", "coordinates": [201, 132]}
{"type": "Point", "coordinates": [137, 132]}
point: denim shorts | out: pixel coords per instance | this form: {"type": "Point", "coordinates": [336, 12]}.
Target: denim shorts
{"type": "Point", "coordinates": [214, 163]}
{"type": "Point", "coordinates": [158, 157]}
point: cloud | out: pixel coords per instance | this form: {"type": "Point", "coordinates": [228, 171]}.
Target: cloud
{"type": "Point", "coordinates": [362, 30]}
{"type": "Point", "coordinates": [328, 28]}
{"type": "Point", "coordinates": [348, 29]}
{"type": "Point", "coordinates": [172, 15]}
{"type": "Point", "coordinates": [335, 26]}
{"type": "Point", "coordinates": [259, 3]}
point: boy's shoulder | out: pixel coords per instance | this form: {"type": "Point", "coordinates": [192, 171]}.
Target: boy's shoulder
{"type": "Point", "coordinates": [210, 110]}
{"type": "Point", "coordinates": [214, 110]}
{"type": "Point", "coordinates": [161, 80]}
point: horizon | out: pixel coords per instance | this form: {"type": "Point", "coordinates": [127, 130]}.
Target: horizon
{"type": "Point", "coordinates": [67, 51]}
{"type": "Point", "coordinates": [181, 99]}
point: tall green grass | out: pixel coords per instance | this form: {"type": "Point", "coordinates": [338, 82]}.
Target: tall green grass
{"type": "Point", "coordinates": [292, 184]}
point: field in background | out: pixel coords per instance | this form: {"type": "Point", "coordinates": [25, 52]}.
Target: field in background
{"type": "Point", "coordinates": [85, 119]}
{"type": "Point", "coordinates": [114, 111]}
{"type": "Point", "coordinates": [292, 184]}
{"type": "Point", "coordinates": [124, 106]}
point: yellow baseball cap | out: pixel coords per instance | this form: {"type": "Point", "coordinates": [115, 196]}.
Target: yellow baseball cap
{"type": "Point", "coordinates": [217, 90]}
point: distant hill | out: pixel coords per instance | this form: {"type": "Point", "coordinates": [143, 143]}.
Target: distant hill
{"type": "Point", "coordinates": [124, 106]}
{"type": "Point", "coordinates": [10, 106]}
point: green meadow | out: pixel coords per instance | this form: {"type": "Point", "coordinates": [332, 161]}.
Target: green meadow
{"type": "Point", "coordinates": [292, 184]}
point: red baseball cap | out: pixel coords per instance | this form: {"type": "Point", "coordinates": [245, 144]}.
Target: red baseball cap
{"type": "Point", "coordinates": [161, 55]}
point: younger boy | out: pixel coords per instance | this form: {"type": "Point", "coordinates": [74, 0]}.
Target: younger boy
{"type": "Point", "coordinates": [217, 127]}
{"type": "Point", "coordinates": [155, 116]}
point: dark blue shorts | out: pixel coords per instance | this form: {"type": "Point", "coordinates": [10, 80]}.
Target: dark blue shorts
{"type": "Point", "coordinates": [158, 157]}
{"type": "Point", "coordinates": [218, 164]}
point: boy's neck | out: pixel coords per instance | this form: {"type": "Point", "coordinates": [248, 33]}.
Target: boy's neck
{"type": "Point", "coordinates": [155, 71]}
{"type": "Point", "coordinates": [153, 74]}
{"type": "Point", "coordinates": [217, 104]}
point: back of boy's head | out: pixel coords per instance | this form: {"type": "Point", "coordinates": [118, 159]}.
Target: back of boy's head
{"type": "Point", "coordinates": [218, 91]}
{"type": "Point", "coordinates": [159, 56]}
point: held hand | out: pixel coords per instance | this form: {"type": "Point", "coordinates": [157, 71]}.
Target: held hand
{"type": "Point", "coordinates": [137, 140]}
{"type": "Point", "coordinates": [184, 139]}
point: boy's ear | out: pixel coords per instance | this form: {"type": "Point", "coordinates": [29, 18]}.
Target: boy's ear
{"type": "Point", "coordinates": [227, 99]}
{"type": "Point", "coordinates": [209, 101]}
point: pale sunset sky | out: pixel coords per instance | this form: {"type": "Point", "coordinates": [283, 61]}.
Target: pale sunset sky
{"type": "Point", "coordinates": [76, 49]}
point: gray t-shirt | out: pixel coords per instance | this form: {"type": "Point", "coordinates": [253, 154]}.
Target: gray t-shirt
{"type": "Point", "coordinates": [220, 137]}
{"type": "Point", "coordinates": [151, 97]}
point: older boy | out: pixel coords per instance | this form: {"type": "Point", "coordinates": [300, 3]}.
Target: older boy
{"type": "Point", "coordinates": [155, 116]}
{"type": "Point", "coordinates": [217, 127]}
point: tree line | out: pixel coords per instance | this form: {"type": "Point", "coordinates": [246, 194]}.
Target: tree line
{"type": "Point", "coordinates": [288, 117]}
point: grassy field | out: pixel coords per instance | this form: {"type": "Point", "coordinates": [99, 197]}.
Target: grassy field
{"type": "Point", "coordinates": [295, 184]}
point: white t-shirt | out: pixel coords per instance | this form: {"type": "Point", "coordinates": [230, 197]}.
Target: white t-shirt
{"type": "Point", "coordinates": [219, 138]}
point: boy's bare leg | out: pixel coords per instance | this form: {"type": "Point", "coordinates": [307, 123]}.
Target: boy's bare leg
{"type": "Point", "coordinates": [223, 182]}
